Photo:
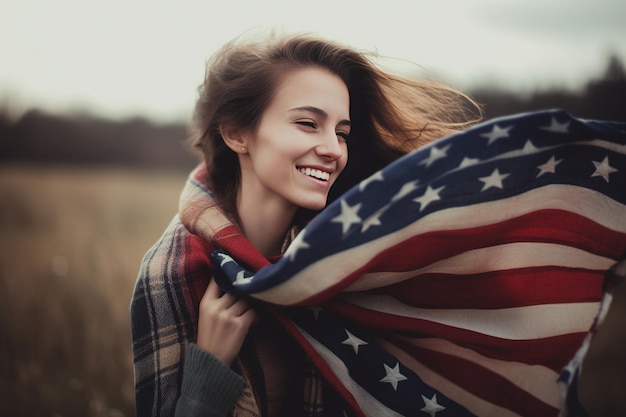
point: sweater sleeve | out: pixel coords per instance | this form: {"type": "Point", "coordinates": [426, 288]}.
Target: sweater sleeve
{"type": "Point", "coordinates": [209, 387]}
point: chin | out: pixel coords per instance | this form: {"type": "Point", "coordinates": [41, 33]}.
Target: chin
{"type": "Point", "coordinates": [315, 205]}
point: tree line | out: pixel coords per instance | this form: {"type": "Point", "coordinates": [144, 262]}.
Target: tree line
{"type": "Point", "coordinates": [83, 140]}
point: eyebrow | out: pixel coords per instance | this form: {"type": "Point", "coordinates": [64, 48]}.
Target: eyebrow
{"type": "Point", "coordinates": [320, 112]}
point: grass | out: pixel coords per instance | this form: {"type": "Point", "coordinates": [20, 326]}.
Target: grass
{"type": "Point", "coordinates": [70, 246]}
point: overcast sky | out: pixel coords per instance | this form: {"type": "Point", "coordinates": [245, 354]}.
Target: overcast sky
{"type": "Point", "coordinates": [119, 58]}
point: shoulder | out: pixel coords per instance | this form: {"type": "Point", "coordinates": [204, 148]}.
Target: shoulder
{"type": "Point", "coordinates": [177, 266]}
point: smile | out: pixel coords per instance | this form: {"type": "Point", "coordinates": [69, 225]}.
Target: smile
{"type": "Point", "coordinates": [315, 173]}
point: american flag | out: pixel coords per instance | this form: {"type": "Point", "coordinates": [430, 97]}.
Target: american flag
{"type": "Point", "coordinates": [466, 278]}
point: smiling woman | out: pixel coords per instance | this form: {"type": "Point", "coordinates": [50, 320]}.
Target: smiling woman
{"type": "Point", "coordinates": [284, 127]}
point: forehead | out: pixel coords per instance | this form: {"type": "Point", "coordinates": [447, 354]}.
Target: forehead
{"type": "Point", "coordinates": [312, 86]}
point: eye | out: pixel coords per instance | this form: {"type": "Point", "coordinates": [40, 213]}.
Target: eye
{"type": "Point", "coordinates": [343, 135]}
{"type": "Point", "coordinates": [307, 123]}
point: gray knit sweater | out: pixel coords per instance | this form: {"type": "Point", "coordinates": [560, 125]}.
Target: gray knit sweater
{"type": "Point", "coordinates": [209, 388]}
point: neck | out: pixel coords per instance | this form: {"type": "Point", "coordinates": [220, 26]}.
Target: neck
{"type": "Point", "coordinates": [265, 223]}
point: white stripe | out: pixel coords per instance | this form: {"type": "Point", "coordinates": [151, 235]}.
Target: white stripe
{"type": "Point", "coordinates": [518, 323]}
{"type": "Point", "coordinates": [329, 271]}
{"type": "Point", "coordinates": [601, 143]}
{"type": "Point", "coordinates": [537, 380]}
{"type": "Point", "coordinates": [494, 258]}
{"type": "Point", "coordinates": [369, 405]}
{"type": "Point", "coordinates": [578, 200]}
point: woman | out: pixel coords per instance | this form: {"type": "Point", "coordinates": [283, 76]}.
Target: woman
{"type": "Point", "coordinates": [277, 123]}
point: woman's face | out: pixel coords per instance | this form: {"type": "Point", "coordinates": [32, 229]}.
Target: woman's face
{"type": "Point", "coordinates": [299, 148]}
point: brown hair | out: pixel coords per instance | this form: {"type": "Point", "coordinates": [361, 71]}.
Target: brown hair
{"type": "Point", "coordinates": [390, 114]}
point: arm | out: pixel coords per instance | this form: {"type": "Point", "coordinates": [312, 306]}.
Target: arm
{"type": "Point", "coordinates": [210, 388]}
{"type": "Point", "coordinates": [163, 325]}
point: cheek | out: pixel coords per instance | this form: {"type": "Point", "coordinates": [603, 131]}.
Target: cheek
{"type": "Point", "coordinates": [343, 161]}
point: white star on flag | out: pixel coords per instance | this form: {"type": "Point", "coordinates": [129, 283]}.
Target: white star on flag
{"type": "Point", "coordinates": [556, 127]}
{"type": "Point", "coordinates": [493, 180]}
{"type": "Point", "coordinates": [549, 167]}
{"type": "Point", "coordinates": [348, 216]}
{"type": "Point", "coordinates": [297, 244]}
{"type": "Point", "coordinates": [431, 407]}
{"type": "Point", "coordinates": [529, 147]}
{"type": "Point", "coordinates": [316, 311]}
{"type": "Point", "coordinates": [603, 169]}
{"type": "Point", "coordinates": [353, 341]}
{"type": "Point", "coordinates": [376, 177]}
{"type": "Point", "coordinates": [435, 154]}
{"type": "Point", "coordinates": [393, 376]}
{"type": "Point", "coordinates": [225, 259]}
{"type": "Point", "coordinates": [242, 279]}
{"type": "Point", "coordinates": [406, 189]}
{"type": "Point", "coordinates": [496, 133]}
{"type": "Point", "coordinates": [468, 162]}
{"type": "Point", "coordinates": [373, 220]}
{"type": "Point", "coordinates": [429, 196]}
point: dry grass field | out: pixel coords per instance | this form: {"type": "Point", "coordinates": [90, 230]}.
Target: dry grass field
{"type": "Point", "coordinates": [70, 246]}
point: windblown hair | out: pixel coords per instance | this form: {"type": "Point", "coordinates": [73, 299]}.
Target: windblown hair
{"type": "Point", "coordinates": [390, 114]}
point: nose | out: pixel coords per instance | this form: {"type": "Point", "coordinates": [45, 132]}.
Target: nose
{"type": "Point", "coordinates": [330, 147]}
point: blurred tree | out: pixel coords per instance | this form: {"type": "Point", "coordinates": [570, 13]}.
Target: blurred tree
{"type": "Point", "coordinates": [603, 98]}
{"type": "Point", "coordinates": [89, 141]}
{"type": "Point", "coordinates": [606, 98]}
{"type": "Point", "coordinates": [615, 70]}
{"type": "Point", "coordinates": [43, 138]}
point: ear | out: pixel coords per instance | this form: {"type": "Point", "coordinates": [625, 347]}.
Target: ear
{"type": "Point", "coordinates": [234, 139]}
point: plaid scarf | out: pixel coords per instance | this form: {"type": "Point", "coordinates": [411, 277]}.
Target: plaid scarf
{"type": "Point", "coordinates": [467, 278]}
{"type": "Point", "coordinates": [164, 310]}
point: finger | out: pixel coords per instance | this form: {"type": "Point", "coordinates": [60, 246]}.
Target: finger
{"type": "Point", "coordinates": [212, 290]}
{"type": "Point", "coordinates": [213, 298]}
{"type": "Point", "coordinates": [239, 307]}
{"type": "Point", "coordinates": [250, 317]}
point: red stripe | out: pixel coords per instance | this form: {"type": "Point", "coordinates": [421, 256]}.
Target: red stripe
{"type": "Point", "coordinates": [553, 352]}
{"type": "Point", "coordinates": [319, 362]}
{"type": "Point", "coordinates": [499, 289]}
{"type": "Point", "coordinates": [481, 382]}
{"type": "Point", "coordinates": [547, 226]}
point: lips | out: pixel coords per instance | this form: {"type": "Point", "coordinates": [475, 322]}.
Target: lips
{"type": "Point", "coordinates": [315, 173]}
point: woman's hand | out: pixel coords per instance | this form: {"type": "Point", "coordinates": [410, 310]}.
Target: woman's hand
{"type": "Point", "coordinates": [223, 324]}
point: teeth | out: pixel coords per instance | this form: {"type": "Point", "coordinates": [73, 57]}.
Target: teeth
{"type": "Point", "coordinates": [315, 173]}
